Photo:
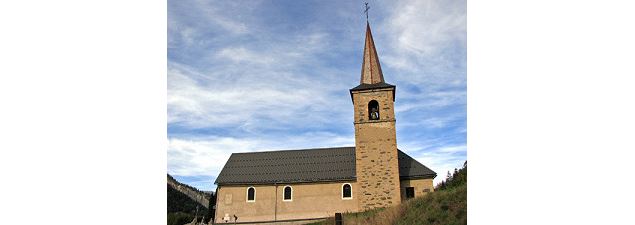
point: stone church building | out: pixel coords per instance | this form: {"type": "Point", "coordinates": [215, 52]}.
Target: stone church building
{"type": "Point", "coordinates": [300, 185]}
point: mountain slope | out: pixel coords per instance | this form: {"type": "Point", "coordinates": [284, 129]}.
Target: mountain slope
{"type": "Point", "coordinates": [180, 202]}
{"type": "Point", "coordinates": [183, 201]}
{"type": "Point", "coordinates": [196, 195]}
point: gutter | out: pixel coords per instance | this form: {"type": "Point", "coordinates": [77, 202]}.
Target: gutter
{"type": "Point", "coordinates": [287, 182]}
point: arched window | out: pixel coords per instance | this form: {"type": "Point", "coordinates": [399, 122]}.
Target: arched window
{"type": "Point", "coordinates": [347, 191]}
{"type": "Point", "coordinates": [251, 194]}
{"type": "Point", "coordinates": [373, 110]}
{"type": "Point", "coordinates": [288, 192]}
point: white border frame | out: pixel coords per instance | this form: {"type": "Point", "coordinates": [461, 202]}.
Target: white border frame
{"type": "Point", "coordinates": [342, 191]}
{"type": "Point", "coordinates": [289, 200]}
{"type": "Point", "coordinates": [247, 194]}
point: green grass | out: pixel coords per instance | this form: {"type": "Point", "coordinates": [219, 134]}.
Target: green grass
{"type": "Point", "coordinates": [443, 207]}
{"type": "Point", "coordinates": [359, 216]}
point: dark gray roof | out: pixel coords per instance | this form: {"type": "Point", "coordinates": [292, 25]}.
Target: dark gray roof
{"type": "Point", "coordinates": [308, 165]}
{"type": "Point", "coordinates": [372, 86]}
{"type": "Point", "coordinates": [411, 168]}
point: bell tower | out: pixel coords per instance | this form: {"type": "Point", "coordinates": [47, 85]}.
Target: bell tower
{"type": "Point", "coordinates": [377, 167]}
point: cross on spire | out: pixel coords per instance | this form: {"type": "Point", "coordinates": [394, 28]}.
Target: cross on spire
{"type": "Point", "coordinates": [366, 8]}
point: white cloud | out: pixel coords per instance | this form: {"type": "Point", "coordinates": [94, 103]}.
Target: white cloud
{"type": "Point", "coordinates": [438, 122]}
{"type": "Point", "coordinates": [424, 27]}
{"type": "Point", "coordinates": [424, 37]}
{"type": "Point", "coordinates": [443, 159]}
{"type": "Point", "coordinates": [203, 157]}
{"type": "Point", "coordinates": [252, 86]}
{"type": "Point", "coordinates": [453, 149]}
{"type": "Point", "coordinates": [228, 18]}
{"type": "Point", "coordinates": [199, 100]}
{"type": "Point", "coordinates": [242, 54]}
{"type": "Point", "coordinates": [207, 156]}
{"type": "Point", "coordinates": [431, 100]}
{"type": "Point", "coordinates": [426, 49]}
{"type": "Point", "coordinates": [230, 71]}
{"type": "Point", "coordinates": [230, 25]}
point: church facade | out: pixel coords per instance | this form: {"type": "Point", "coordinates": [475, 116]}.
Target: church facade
{"type": "Point", "coordinates": [301, 185]}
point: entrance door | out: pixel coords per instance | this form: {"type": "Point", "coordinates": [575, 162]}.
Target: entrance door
{"type": "Point", "coordinates": [410, 192]}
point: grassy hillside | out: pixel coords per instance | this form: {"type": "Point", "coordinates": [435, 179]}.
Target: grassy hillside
{"type": "Point", "coordinates": [441, 207]}
{"type": "Point", "coordinates": [447, 205]}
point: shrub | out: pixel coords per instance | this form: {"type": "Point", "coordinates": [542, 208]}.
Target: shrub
{"type": "Point", "coordinates": [179, 218]}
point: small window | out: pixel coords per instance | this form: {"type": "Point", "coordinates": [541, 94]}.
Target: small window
{"type": "Point", "coordinates": [228, 199]}
{"type": "Point", "coordinates": [287, 193]}
{"type": "Point", "coordinates": [347, 192]}
{"type": "Point", "coordinates": [251, 194]}
{"type": "Point", "coordinates": [410, 192]}
{"type": "Point", "coordinates": [426, 190]}
{"type": "Point", "coordinates": [373, 110]}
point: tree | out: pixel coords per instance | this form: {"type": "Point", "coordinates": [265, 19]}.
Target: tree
{"type": "Point", "coordinates": [456, 179]}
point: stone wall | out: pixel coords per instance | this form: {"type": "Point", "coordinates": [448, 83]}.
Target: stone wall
{"type": "Point", "coordinates": [377, 165]}
{"type": "Point", "coordinates": [420, 186]}
{"type": "Point", "coordinates": [309, 200]}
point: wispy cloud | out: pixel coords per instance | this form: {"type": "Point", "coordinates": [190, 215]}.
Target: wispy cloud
{"type": "Point", "coordinates": [205, 156]}
{"type": "Point", "coordinates": [243, 55]}
{"type": "Point", "coordinates": [441, 159]}
{"type": "Point", "coordinates": [188, 157]}
{"type": "Point", "coordinates": [426, 36]}
{"type": "Point", "coordinates": [252, 76]}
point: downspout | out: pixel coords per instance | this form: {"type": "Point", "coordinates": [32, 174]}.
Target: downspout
{"type": "Point", "coordinates": [215, 203]}
{"type": "Point", "coordinates": [275, 208]}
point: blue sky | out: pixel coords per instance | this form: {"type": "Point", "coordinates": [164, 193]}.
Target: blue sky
{"type": "Point", "coordinates": [249, 76]}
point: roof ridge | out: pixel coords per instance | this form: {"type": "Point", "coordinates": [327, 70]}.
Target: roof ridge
{"type": "Point", "coordinates": [287, 150]}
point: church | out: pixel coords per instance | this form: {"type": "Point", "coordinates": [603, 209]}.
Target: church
{"type": "Point", "coordinates": [298, 186]}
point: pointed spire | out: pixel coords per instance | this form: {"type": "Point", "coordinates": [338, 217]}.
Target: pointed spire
{"type": "Point", "coordinates": [371, 70]}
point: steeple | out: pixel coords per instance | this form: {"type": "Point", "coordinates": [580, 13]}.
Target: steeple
{"type": "Point", "coordinates": [372, 77]}
{"type": "Point", "coordinates": [376, 157]}
{"type": "Point", "coordinates": [371, 69]}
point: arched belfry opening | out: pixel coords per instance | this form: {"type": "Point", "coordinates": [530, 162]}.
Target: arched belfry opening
{"type": "Point", "coordinates": [373, 110]}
